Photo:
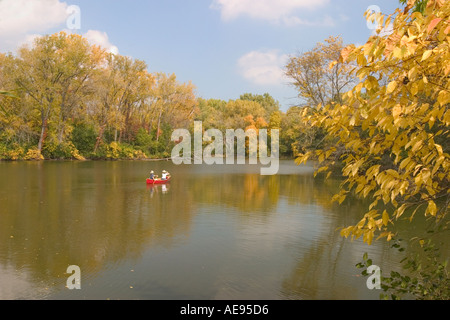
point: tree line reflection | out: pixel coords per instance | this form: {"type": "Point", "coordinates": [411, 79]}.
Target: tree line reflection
{"type": "Point", "coordinates": [93, 215]}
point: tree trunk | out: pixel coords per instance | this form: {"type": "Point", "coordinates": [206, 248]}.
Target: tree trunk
{"type": "Point", "coordinates": [61, 135]}
{"type": "Point", "coordinates": [159, 125]}
{"type": "Point", "coordinates": [100, 137]}
{"type": "Point", "coordinates": [42, 135]}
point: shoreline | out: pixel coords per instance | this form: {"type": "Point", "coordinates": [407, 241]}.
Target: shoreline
{"type": "Point", "coordinates": [104, 159]}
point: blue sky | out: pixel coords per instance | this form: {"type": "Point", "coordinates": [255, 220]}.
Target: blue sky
{"type": "Point", "coordinates": [225, 47]}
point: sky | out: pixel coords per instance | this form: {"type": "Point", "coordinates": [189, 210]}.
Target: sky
{"type": "Point", "coordinates": [224, 47]}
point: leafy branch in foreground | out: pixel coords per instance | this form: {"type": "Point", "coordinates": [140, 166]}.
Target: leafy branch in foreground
{"type": "Point", "coordinates": [426, 275]}
{"type": "Point", "coordinates": [394, 124]}
{"type": "Point", "coordinates": [418, 6]}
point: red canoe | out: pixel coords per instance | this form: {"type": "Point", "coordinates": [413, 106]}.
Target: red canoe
{"type": "Point", "coordinates": [157, 181]}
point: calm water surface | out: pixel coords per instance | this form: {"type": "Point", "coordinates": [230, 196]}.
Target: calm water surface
{"type": "Point", "coordinates": [216, 232]}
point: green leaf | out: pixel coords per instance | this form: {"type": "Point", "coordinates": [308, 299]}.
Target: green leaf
{"type": "Point", "coordinates": [8, 94]}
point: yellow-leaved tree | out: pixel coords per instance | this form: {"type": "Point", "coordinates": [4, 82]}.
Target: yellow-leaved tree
{"type": "Point", "coordinates": [394, 123]}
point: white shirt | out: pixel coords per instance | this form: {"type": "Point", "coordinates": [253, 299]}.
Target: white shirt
{"type": "Point", "coordinates": [164, 176]}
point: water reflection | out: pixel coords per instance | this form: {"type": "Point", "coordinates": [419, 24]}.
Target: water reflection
{"type": "Point", "coordinates": [156, 189]}
{"type": "Point", "coordinates": [56, 214]}
{"type": "Point", "coordinates": [221, 232]}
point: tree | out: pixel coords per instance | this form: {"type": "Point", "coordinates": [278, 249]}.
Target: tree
{"type": "Point", "coordinates": [74, 94]}
{"type": "Point", "coordinates": [13, 115]}
{"type": "Point", "coordinates": [173, 102]}
{"type": "Point", "coordinates": [237, 110]}
{"type": "Point", "coordinates": [320, 78]}
{"type": "Point", "coordinates": [212, 113]}
{"type": "Point", "coordinates": [266, 101]}
{"type": "Point", "coordinates": [318, 75]}
{"type": "Point", "coordinates": [296, 136]}
{"type": "Point", "coordinates": [53, 75]}
{"type": "Point", "coordinates": [105, 106]}
{"type": "Point", "coordinates": [396, 135]}
{"type": "Point", "coordinates": [136, 85]}
{"type": "Point", "coordinates": [123, 88]}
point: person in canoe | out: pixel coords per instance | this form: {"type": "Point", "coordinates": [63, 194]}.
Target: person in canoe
{"type": "Point", "coordinates": [152, 175]}
{"type": "Point", "coordinates": [165, 175]}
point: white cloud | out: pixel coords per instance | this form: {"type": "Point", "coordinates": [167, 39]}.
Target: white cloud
{"type": "Point", "coordinates": [21, 19]}
{"type": "Point", "coordinates": [28, 40]}
{"type": "Point", "coordinates": [100, 38]}
{"type": "Point", "coordinates": [280, 11]}
{"type": "Point", "coordinates": [22, 16]}
{"type": "Point", "coordinates": [263, 67]}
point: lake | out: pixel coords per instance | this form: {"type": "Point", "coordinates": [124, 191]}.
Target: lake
{"type": "Point", "coordinates": [214, 232]}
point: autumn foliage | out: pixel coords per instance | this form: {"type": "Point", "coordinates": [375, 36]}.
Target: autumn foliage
{"type": "Point", "coordinates": [394, 123]}
{"type": "Point", "coordinates": [61, 95]}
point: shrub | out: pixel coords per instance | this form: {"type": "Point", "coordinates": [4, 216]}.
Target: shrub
{"type": "Point", "coordinates": [33, 154]}
{"type": "Point", "coordinates": [84, 138]}
{"type": "Point", "coordinates": [143, 140]}
{"type": "Point", "coordinates": [65, 150]}
{"type": "Point", "coordinates": [13, 152]}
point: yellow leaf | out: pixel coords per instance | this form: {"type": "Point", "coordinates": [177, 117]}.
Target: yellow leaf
{"type": "Point", "coordinates": [385, 218]}
{"type": "Point", "coordinates": [321, 158]}
{"type": "Point", "coordinates": [396, 111]}
{"type": "Point", "coordinates": [400, 211]}
{"type": "Point", "coordinates": [412, 73]}
{"type": "Point", "coordinates": [361, 60]}
{"type": "Point", "coordinates": [416, 146]}
{"type": "Point", "coordinates": [427, 54]}
{"type": "Point", "coordinates": [373, 204]}
{"type": "Point", "coordinates": [398, 53]}
{"type": "Point", "coordinates": [389, 237]}
{"type": "Point", "coordinates": [346, 52]}
{"type": "Point", "coordinates": [439, 148]}
{"type": "Point", "coordinates": [346, 232]}
{"type": "Point", "coordinates": [443, 97]}
{"type": "Point", "coordinates": [391, 87]}
{"type": "Point", "coordinates": [332, 65]}
{"type": "Point", "coordinates": [368, 237]}
{"type": "Point", "coordinates": [447, 30]}
{"type": "Point", "coordinates": [432, 209]}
